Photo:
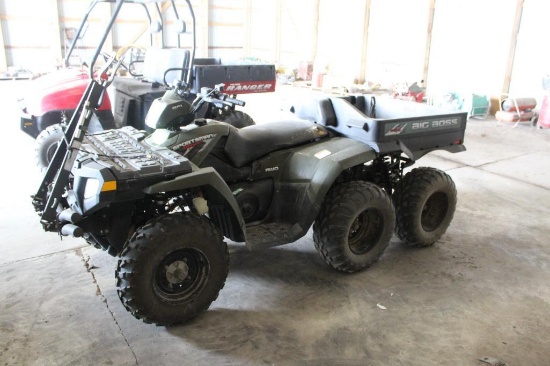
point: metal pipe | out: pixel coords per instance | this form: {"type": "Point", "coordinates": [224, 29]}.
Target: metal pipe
{"type": "Point", "coordinates": [69, 215]}
{"type": "Point", "coordinates": [104, 38]}
{"type": "Point", "coordinates": [190, 71]}
{"type": "Point", "coordinates": [162, 26]}
{"type": "Point", "coordinates": [80, 28]}
{"type": "Point", "coordinates": [72, 230]}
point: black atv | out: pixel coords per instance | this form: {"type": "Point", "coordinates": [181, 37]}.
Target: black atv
{"type": "Point", "coordinates": [163, 202]}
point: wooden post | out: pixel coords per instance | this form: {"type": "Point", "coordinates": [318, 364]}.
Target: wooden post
{"type": "Point", "coordinates": [248, 29]}
{"type": "Point", "coordinates": [107, 13]}
{"type": "Point", "coordinates": [364, 44]}
{"type": "Point", "coordinates": [55, 33]}
{"type": "Point", "coordinates": [513, 46]}
{"type": "Point", "coordinates": [428, 42]}
{"type": "Point", "coordinates": [278, 29]}
{"type": "Point", "coordinates": [3, 56]}
{"type": "Point", "coordinates": [315, 34]}
{"type": "Point", "coordinates": [203, 29]}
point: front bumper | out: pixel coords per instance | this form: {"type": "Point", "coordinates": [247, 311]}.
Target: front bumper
{"type": "Point", "coordinates": [29, 124]}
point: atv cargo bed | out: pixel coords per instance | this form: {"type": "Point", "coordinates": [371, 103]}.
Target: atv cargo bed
{"type": "Point", "coordinates": [389, 125]}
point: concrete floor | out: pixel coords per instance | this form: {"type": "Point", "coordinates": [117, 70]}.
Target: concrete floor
{"type": "Point", "coordinates": [482, 291]}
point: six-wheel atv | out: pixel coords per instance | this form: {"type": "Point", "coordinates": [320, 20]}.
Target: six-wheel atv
{"type": "Point", "coordinates": [53, 98]}
{"type": "Point", "coordinates": [163, 202]}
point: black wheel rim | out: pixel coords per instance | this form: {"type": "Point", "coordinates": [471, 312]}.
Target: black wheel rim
{"type": "Point", "coordinates": [365, 231]}
{"type": "Point", "coordinates": [434, 211]}
{"type": "Point", "coordinates": [181, 275]}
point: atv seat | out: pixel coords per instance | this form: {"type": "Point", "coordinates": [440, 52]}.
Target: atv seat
{"type": "Point", "coordinates": [158, 61]}
{"type": "Point", "coordinates": [250, 143]}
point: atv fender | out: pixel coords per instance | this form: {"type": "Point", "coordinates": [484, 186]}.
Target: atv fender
{"type": "Point", "coordinates": [324, 162]}
{"type": "Point", "coordinates": [216, 191]}
{"type": "Point", "coordinates": [308, 175]}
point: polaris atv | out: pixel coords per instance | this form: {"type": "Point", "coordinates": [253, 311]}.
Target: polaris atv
{"type": "Point", "coordinates": [163, 202]}
{"type": "Point", "coordinates": [52, 99]}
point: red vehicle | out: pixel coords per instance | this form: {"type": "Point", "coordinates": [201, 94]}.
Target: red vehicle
{"type": "Point", "coordinates": [413, 92]}
{"type": "Point", "coordinates": [53, 98]}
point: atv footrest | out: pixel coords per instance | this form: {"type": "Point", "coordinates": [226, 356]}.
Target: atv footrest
{"type": "Point", "coordinates": [269, 235]}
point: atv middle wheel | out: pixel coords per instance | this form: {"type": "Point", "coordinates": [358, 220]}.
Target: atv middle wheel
{"type": "Point", "coordinates": [46, 144]}
{"type": "Point", "coordinates": [172, 269]}
{"type": "Point", "coordinates": [355, 226]}
{"type": "Point", "coordinates": [425, 202]}
{"type": "Point", "coordinates": [237, 119]}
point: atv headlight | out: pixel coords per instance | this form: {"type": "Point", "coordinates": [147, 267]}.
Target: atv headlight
{"type": "Point", "coordinates": [92, 188]}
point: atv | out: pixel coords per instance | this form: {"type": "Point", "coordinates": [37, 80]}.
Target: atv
{"type": "Point", "coordinates": [162, 202]}
{"type": "Point", "coordinates": [53, 98]}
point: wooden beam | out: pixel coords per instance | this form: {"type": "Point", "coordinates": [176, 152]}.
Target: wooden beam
{"type": "Point", "coordinates": [203, 29]}
{"type": "Point", "coordinates": [513, 45]}
{"type": "Point", "coordinates": [428, 48]}
{"type": "Point", "coordinates": [278, 30]}
{"type": "Point", "coordinates": [248, 29]}
{"type": "Point", "coordinates": [315, 35]}
{"type": "Point", "coordinates": [107, 12]}
{"type": "Point", "coordinates": [56, 45]}
{"type": "Point", "coordinates": [3, 56]}
{"type": "Point", "coordinates": [364, 44]}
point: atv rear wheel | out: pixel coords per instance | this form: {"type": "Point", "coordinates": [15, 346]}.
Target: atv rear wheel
{"type": "Point", "coordinates": [355, 226]}
{"type": "Point", "coordinates": [172, 269]}
{"type": "Point", "coordinates": [425, 202]}
{"type": "Point", "coordinates": [46, 143]}
{"type": "Point", "coordinates": [237, 118]}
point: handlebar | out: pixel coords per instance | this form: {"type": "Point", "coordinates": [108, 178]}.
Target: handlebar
{"type": "Point", "coordinates": [216, 97]}
{"type": "Point", "coordinates": [213, 96]}
{"type": "Point", "coordinates": [234, 101]}
{"type": "Point", "coordinates": [217, 94]}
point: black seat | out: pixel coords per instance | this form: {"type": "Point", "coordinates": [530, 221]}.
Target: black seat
{"type": "Point", "coordinates": [250, 143]}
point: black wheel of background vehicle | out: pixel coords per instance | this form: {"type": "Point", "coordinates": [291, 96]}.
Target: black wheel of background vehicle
{"type": "Point", "coordinates": [46, 144]}
{"type": "Point", "coordinates": [172, 269]}
{"type": "Point", "coordinates": [237, 119]}
{"type": "Point", "coordinates": [354, 226]}
{"type": "Point", "coordinates": [425, 202]}
{"type": "Point", "coordinates": [47, 140]}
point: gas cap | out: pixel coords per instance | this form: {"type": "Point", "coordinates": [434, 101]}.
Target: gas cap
{"type": "Point", "coordinates": [200, 122]}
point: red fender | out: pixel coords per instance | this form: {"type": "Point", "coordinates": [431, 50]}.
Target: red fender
{"type": "Point", "coordinates": [61, 90]}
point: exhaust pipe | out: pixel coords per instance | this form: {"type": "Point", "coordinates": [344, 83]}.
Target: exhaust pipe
{"type": "Point", "coordinates": [72, 230]}
{"type": "Point", "coordinates": [69, 215]}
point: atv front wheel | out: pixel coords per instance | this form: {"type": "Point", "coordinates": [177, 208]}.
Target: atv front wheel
{"type": "Point", "coordinates": [46, 143]}
{"type": "Point", "coordinates": [172, 269]}
{"type": "Point", "coordinates": [425, 202]}
{"type": "Point", "coordinates": [237, 118]}
{"type": "Point", "coordinates": [355, 226]}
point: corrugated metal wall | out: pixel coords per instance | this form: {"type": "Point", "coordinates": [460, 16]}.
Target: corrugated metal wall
{"type": "Point", "coordinates": [479, 45]}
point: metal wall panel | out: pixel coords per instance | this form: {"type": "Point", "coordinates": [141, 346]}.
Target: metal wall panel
{"type": "Point", "coordinates": [474, 44]}
{"type": "Point", "coordinates": [532, 58]}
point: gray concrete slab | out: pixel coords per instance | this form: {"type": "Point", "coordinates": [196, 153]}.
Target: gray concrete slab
{"type": "Point", "coordinates": [480, 291]}
{"type": "Point", "coordinates": [21, 237]}
{"type": "Point", "coordinates": [533, 168]}
{"type": "Point", "coordinates": [51, 313]}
